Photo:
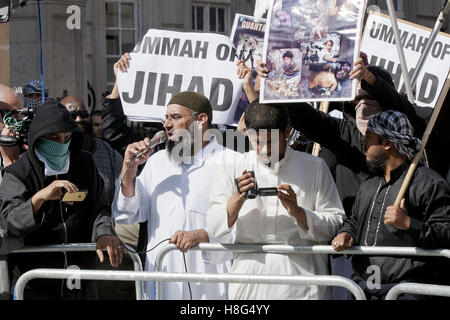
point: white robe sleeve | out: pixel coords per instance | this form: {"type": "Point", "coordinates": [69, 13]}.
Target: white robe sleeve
{"type": "Point", "coordinates": [135, 209]}
{"type": "Point", "coordinates": [328, 214]}
{"type": "Point", "coordinates": [222, 189]}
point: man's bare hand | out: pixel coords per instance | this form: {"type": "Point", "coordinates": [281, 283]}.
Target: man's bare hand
{"type": "Point", "coordinates": [123, 63]}
{"type": "Point", "coordinates": [288, 199]}
{"type": "Point", "coordinates": [397, 216]}
{"type": "Point", "coordinates": [244, 183]}
{"type": "Point", "coordinates": [184, 240]}
{"type": "Point", "coordinates": [342, 241]}
{"type": "Point", "coordinates": [261, 69]}
{"type": "Point", "coordinates": [244, 72]}
{"type": "Point", "coordinates": [135, 148]}
{"type": "Point", "coordinates": [114, 248]}
{"type": "Point", "coordinates": [54, 191]}
{"type": "Point", "coordinates": [10, 154]}
{"type": "Point", "coordinates": [360, 72]}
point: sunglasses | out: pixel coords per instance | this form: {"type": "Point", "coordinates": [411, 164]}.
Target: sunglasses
{"type": "Point", "coordinates": [82, 113]}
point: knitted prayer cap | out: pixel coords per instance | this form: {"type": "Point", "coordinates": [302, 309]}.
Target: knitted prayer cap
{"type": "Point", "coordinates": [194, 101]}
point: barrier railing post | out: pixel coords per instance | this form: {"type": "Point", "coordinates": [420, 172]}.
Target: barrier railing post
{"type": "Point", "coordinates": [418, 288]}
{"type": "Point", "coordinates": [285, 249]}
{"type": "Point", "coordinates": [194, 277]}
{"type": "Point", "coordinates": [80, 247]}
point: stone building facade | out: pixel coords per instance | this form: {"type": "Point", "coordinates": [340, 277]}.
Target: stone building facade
{"type": "Point", "coordinates": [78, 55]}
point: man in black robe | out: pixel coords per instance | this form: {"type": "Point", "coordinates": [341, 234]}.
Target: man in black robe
{"type": "Point", "coordinates": [421, 220]}
{"type": "Point", "coordinates": [31, 208]}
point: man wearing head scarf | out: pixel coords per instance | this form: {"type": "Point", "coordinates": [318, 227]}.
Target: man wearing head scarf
{"type": "Point", "coordinates": [421, 220]}
{"type": "Point", "coordinates": [31, 204]}
{"type": "Point", "coordinates": [171, 194]}
{"type": "Point", "coordinates": [32, 94]}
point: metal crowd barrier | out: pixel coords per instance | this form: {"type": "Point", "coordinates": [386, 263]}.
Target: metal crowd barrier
{"type": "Point", "coordinates": [194, 277]}
{"type": "Point", "coordinates": [318, 249]}
{"type": "Point", "coordinates": [80, 247]}
{"type": "Point", "coordinates": [418, 288]}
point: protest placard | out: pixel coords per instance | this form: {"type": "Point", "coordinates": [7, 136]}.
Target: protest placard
{"type": "Point", "coordinates": [379, 44]}
{"type": "Point", "coordinates": [247, 36]}
{"type": "Point", "coordinates": [165, 62]}
{"type": "Point", "coordinates": [309, 48]}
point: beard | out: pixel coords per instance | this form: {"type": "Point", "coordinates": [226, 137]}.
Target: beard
{"type": "Point", "coordinates": [181, 149]}
{"type": "Point", "coordinates": [88, 135]}
{"type": "Point", "coordinates": [377, 165]}
{"type": "Point", "coordinates": [86, 126]}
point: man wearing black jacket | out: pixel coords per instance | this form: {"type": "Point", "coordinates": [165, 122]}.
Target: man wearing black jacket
{"type": "Point", "coordinates": [421, 220]}
{"type": "Point", "coordinates": [31, 206]}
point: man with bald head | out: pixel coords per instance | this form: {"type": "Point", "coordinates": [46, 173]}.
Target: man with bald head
{"type": "Point", "coordinates": [9, 99]}
{"type": "Point", "coordinates": [107, 160]}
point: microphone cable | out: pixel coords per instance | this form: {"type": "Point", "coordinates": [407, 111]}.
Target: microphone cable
{"type": "Point", "coordinates": [185, 269]}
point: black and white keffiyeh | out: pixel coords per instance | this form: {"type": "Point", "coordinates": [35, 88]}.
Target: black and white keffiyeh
{"type": "Point", "coordinates": [395, 126]}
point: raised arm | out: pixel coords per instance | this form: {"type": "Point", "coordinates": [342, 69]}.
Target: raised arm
{"type": "Point", "coordinates": [114, 127]}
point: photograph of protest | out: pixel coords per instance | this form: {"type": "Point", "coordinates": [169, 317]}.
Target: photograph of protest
{"type": "Point", "coordinates": [309, 48]}
{"type": "Point", "coordinates": [247, 36]}
{"type": "Point", "coordinates": [224, 159]}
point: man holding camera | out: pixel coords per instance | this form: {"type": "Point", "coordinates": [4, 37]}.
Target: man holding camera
{"type": "Point", "coordinates": [304, 209]}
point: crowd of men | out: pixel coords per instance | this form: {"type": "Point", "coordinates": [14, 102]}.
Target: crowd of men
{"type": "Point", "coordinates": [192, 189]}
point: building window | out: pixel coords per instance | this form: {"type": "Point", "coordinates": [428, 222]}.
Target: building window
{"type": "Point", "coordinates": [121, 33]}
{"type": "Point", "coordinates": [210, 17]}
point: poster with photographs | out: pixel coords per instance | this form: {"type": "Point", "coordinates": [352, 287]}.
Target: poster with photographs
{"type": "Point", "coordinates": [247, 36]}
{"type": "Point", "coordinates": [309, 49]}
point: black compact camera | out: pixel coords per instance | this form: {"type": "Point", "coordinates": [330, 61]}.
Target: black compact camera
{"type": "Point", "coordinates": [262, 192]}
{"type": "Point", "coordinates": [17, 120]}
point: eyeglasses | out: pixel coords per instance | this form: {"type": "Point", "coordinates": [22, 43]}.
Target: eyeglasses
{"type": "Point", "coordinates": [178, 117]}
{"type": "Point", "coordinates": [82, 113]}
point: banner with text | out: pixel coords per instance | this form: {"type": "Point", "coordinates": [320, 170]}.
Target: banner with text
{"type": "Point", "coordinates": [247, 36]}
{"type": "Point", "coordinates": [165, 62]}
{"type": "Point", "coordinates": [379, 44]}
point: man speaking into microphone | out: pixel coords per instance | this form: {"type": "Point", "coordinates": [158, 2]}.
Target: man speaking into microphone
{"type": "Point", "coordinates": [171, 194]}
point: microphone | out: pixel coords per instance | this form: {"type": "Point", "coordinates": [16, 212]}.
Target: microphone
{"type": "Point", "coordinates": [159, 137]}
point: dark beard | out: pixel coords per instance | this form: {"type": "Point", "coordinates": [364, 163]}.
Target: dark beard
{"type": "Point", "coordinates": [179, 158]}
{"type": "Point", "coordinates": [88, 142]}
{"type": "Point", "coordinates": [378, 165]}
{"type": "Point", "coordinates": [88, 135]}
{"type": "Point", "coordinates": [189, 145]}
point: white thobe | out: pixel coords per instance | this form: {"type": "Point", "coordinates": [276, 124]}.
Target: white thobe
{"type": "Point", "coordinates": [173, 197]}
{"type": "Point", "coordinates": [265, 220]}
